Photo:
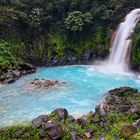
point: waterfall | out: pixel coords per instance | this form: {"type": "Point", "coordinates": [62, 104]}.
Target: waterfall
{"type": "Point", "coordinates": [120, 46]}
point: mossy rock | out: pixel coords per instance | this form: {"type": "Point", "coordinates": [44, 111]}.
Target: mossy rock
{"type": "Point", "coordinates": [128, 130]}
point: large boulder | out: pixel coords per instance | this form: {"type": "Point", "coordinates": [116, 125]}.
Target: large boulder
{"type": "Point", "coordinates": [61, 113]}
{"type": "Point", "coordinates": [128, 130]}
{"type": "Point", "coordinates": [122, 100]}
{"type": "Point", "coordinates": [122, 91]}
{"type": "Point", "coordinates": [53, 130]}
{"type": "Point", "coordinates": [40, 120]}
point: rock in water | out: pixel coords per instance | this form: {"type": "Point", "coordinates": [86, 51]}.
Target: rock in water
{"type": "Point", "coordinates": [122, 100]}
{"type": "Point", "coordinates": [46, 83]}
{"type": "Point", "coordinates": [122, 91]}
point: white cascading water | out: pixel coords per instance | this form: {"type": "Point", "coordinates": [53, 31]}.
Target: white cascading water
{"type": "Point", "coordinates": [120, 46]}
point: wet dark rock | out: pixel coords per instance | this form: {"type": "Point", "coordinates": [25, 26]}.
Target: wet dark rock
{"type": "Point", "coordinates": [54, 61]}
{"type": "Point", "coordinates": [63, 61]}
{"type": "Point", "coordinates": [31, 71]}
{"type": "Point", "coordinates": [127, 131]}
{"type": "Point", "coordinates": [53, 130]}
{"type": "Point", "coordinates": [73, 60]}
{"type": "Point", "coordinates": [40, 120]}
{"type": "Point", "coordinates": [86, 56]}
{"type": "Point", "coordinates": [15, 72]}
{"type": "Point", "coordinates": [61, 113]}
{"type": "Point", "coordinates": [11, 76]}
{"type": "Point", "coordinates": [26, 66]}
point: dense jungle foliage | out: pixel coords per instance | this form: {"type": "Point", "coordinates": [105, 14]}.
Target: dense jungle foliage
{"type": "Point", "coordinates": [36, 30]}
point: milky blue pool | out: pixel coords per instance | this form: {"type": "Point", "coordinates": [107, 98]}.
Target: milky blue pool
{"type": "Point", "coordinates": [85, 87]}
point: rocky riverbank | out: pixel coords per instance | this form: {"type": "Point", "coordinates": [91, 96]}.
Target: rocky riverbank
{"type": "Point", "coordinates": [118, 117]}
{"type": "Point", "coordinates": [14, 72]}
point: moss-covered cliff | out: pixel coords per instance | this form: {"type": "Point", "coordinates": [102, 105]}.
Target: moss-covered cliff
{"type": "Point", "coordinates": [135, 49]}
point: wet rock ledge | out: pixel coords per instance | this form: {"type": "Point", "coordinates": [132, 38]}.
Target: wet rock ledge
{"type": "Point", "coordinates": [117, 117]}
{"type": "Point", "coordinates": [15, 72]}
